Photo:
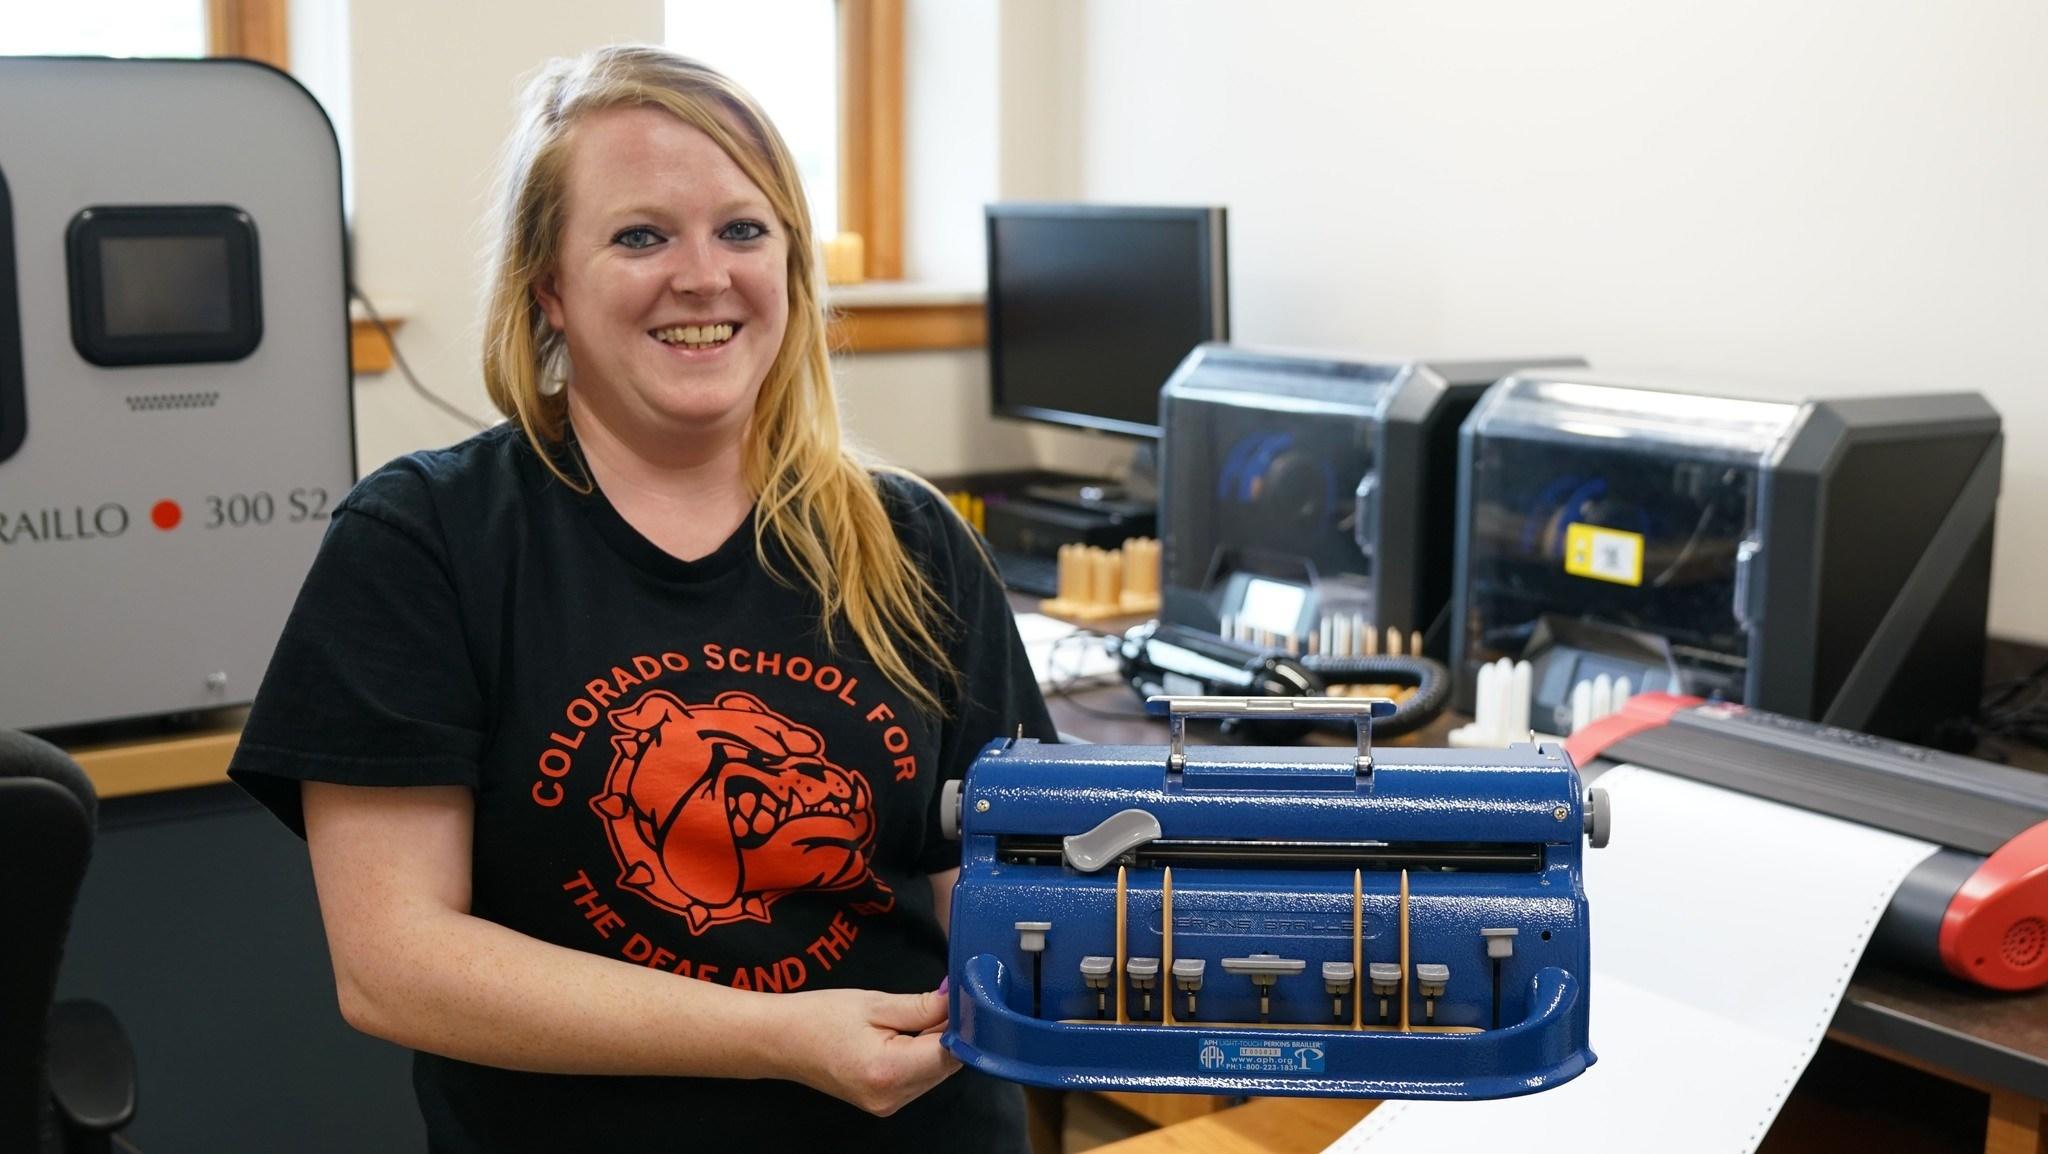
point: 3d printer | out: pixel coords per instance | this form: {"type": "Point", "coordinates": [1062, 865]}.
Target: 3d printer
{"type": "Point", "coordinates": [1828, 560]}
{"type": "Point", "coordinates": [1296, 920]}
{"type": "Point", "coordinates": [1303, 495]}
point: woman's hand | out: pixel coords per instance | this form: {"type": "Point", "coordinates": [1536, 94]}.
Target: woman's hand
{"type": "Point", "coordinates": [877, 1051]}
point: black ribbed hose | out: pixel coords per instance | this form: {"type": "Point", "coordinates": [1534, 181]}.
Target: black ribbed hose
{"type": "Point", "coordinates": [1431, 681]}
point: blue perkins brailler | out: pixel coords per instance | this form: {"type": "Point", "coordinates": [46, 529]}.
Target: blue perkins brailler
{"type": "Point", "coordinates": [1406, 923]}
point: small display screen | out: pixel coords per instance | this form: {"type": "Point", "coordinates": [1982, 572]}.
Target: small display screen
{"type": "Point", "coordinates": [164, 284]}
{"type": "Point", "coordinates": [1273, 606]}
{"type": "Point", "coordinates": [155, 286]}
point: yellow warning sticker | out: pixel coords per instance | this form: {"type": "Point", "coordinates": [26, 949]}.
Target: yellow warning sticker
{"type": "Point", "coordinates": [1603, 554]}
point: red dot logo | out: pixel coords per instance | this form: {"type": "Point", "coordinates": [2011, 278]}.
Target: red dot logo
{"type": "Point", "coordinates": [166, 515]}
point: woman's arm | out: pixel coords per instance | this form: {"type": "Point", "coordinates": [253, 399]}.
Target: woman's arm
{"type": "Point", "coordinates": [942, 898]}
{"type": "Point", "coordinates": [411, 965]}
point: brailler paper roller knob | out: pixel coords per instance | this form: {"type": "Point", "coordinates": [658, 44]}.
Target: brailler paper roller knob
{"type": "Point", "coordinates": [949, 809]}
{"type": "Point", "coordinates": [1599, 818]}
{"type": "Point", "coordinates": [1118, 834]}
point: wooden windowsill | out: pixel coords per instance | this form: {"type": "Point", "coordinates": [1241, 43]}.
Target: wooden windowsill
{"type": "Point", "coordinates": [896, 316]}
{"type": "Point", "coordinates": [369, 351]}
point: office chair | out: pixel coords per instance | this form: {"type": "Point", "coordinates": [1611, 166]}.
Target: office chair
{"type": "Point", "coordinates": [67, 1072]}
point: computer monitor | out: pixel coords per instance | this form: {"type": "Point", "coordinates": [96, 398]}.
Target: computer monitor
{"type": "Point", "coordinates": [1091, 306]}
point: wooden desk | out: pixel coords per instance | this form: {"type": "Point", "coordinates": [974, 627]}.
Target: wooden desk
{"type": "Point", "coordinates": [154, 764]}
{"type": "Point", "coordinates": [1995, 1044]}
{"type": "Point", "coordinates": [1263, 1126]}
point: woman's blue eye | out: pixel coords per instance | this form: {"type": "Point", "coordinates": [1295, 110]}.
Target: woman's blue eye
{"type": "Point", "coordinates": [638, 236]}
{"type": "Point", "coordinates": [745, 230]}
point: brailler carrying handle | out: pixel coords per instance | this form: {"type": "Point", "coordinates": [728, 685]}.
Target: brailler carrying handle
{"type": "Point", "coordinates": [1359, 710]}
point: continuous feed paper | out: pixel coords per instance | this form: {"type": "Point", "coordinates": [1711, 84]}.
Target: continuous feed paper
{"type": "Point", "coordinates": [1725, 929]}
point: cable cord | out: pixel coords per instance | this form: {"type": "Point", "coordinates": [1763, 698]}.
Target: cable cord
{"type": "Point", "coordinates": [1431, 681]}
{"type": "Point", "coordinates": [2015, 710]}
{"type": "Point", "coordinates": [1063, 687]}
{"type": "Point", "coordinates": [405, 369]}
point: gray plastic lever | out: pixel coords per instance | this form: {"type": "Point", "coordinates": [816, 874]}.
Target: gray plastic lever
{"type": "Point", "coordinates": [1144, 973]}
{"type": "Point", "coordinates": [1187, 973]}
{"type": "Point", "coordinates": [1118, 834]}
{"type": "Point", "coordinates": [1337, 978]}
{"type": "Point", "coordinates": [1265, 969]}
{"type": "Point", "coordinates": [1500, 941]}
{"type": "Point", "coordinates": [1095, 972]}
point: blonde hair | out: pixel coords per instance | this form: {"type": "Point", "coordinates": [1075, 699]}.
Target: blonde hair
{"type": "Point", "coordinates": [812, 492]}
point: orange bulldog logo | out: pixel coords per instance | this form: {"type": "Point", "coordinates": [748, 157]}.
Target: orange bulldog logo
{"type": "Point", "coordinates": [717, 811]}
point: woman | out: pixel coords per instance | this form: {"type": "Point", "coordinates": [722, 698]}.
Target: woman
{"type": "Point", "coordinates": [670, 680]}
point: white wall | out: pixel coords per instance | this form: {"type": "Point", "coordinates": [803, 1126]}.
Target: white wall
{"type": "Point", "coordinates": [433, 94]}
{"type": "Point", "coordinates": [1836, 194]}
{"type": "Point", "coordinates": [434, 87]}
{"type": "Point", "coordinates": [318, 31]}
{"type": "Point", "coordinates": [990, 106]}
{"type": "Point", "coordinates": [1846, 192]}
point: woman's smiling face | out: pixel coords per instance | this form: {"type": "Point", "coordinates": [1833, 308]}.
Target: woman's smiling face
{"type": "Point", "coordinates": [671, 283]}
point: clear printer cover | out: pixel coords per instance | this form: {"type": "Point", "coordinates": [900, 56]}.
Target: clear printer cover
{"type": "Point", "coordinates": [1263, 471]}
{"type": "Point", "coordinates": [1612, 515]}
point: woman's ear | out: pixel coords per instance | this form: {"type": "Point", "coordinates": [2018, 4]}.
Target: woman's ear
{"type": "Point", "coordinates": [550, 301]}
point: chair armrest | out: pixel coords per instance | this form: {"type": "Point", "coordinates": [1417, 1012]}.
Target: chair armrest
{"type": "Point", "coordinates": [91, 1067]}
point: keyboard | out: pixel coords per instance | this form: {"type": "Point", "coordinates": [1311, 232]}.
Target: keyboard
{"type": "Point", "coordinates": [1025, 573]}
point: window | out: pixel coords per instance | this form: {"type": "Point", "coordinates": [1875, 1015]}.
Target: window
{"type": "Point", "coordinates": [252, 28]}
{"type": "Point", "coordinates": [785, 53]}
{"type": "Point", "coordinates": [106, 28]}
{"type": "Point", "coordinates": [830, 74]}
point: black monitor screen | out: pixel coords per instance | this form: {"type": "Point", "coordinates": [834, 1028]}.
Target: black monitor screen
{"type": "Point", "coordinates": [1090, 308]}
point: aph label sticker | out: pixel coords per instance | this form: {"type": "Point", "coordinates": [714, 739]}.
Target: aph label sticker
{"type": "Point", "coordinates": [1603, 554]}
{"type": "Point", "coordinates": [1260, 1056]}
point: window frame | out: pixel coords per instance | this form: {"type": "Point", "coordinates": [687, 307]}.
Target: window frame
{"type": "Point", "coordinates": [254, 29]}
{"type": "Point", "coordinates": [870, 39]}
{"type": "Point", "coordinates": [259, 30]}
{"type": "Point", "coordinates": [870, 42]}
{"type": "Point", "coordinates": [871, 131]}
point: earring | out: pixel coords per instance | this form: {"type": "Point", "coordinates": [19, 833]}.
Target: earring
{"type": "Point", "coordinates": [554, 375]}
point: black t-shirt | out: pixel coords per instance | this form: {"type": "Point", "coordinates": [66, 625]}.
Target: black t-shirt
{"type": "Point", "coordinates": [672, 767]}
